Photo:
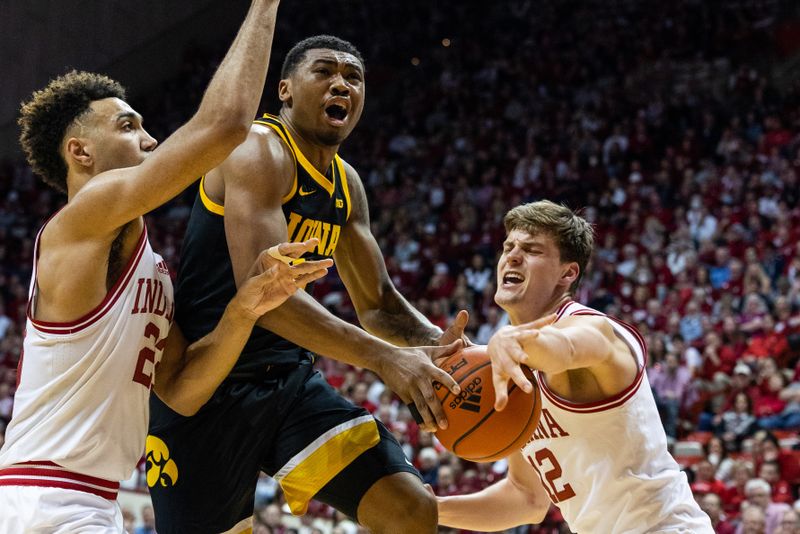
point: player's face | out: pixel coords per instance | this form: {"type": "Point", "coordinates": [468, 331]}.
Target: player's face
{"type": "Point", "coordinates": [325, 95]}
{"type": "Point", "coordinates": [531, 276]}
{"type": "Point", "coordinates": [115, 137]}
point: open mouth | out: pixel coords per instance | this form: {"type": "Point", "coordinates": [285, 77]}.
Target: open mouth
{"type": "Point", "coordinates": [512, 279]}
{"type": "Point", "coordinates": [336, 112]}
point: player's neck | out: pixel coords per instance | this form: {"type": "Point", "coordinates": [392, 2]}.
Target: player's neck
{"type": "Point", "coordinates": [75, 182]}
{"type": "Point", "coordinates": [320, 156]}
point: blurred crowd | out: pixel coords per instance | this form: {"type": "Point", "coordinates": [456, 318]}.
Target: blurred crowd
{"type": "Point", "coordinates": [665, 123]}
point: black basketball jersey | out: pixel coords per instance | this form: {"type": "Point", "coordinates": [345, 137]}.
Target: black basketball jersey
{"type": "Point", "coordinates": [316, 206]}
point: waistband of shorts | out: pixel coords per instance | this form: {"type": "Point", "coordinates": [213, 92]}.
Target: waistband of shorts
{"type": "Point", "coordinates": [47, 474]}
{"type": "Point", "coordinates": [270, 371]}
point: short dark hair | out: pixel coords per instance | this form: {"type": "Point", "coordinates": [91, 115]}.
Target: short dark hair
{"type": "Point", "coordinates": [298, 51]}
{"type": "Point", "coordinates": [45, 118]}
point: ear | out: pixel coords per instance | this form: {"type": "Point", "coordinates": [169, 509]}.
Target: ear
{"type": "Point", "coordinates": [285, 92]}
{"type": "Point", "coordinates": [570, 273]}
{"type": "Point", "coordinates": [78, 152]}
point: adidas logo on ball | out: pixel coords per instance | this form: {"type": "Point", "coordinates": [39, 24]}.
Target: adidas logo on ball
{"type": "Point", "coordinates": [470, 397]}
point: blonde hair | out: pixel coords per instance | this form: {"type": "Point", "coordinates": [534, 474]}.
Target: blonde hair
{"type": "Point", "coordinates": [572, 233]}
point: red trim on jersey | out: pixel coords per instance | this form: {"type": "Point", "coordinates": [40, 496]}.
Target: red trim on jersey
{"type": "Point", "coordinates": [108, 302]}
{"type": "Point", "coordinates": [50, 475]}
{"type": "Point", "coordinates": [562, 308]}
{"type": "Point", "coordinates": [610, 402]}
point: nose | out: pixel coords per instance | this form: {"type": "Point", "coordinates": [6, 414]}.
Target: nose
{"type": "Point", "coordinates": [339, 86]}
{"type": "Point", "coordinates": [514, 255]}
{"type": "Point", "coordinates": [149, 142]}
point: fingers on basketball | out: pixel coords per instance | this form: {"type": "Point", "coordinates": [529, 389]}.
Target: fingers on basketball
{"type": "Point", "coordinates": [476, 430]}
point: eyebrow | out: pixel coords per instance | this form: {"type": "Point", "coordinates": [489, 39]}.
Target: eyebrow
{"type": "Point", "coordinates": [128, 115]}
{"type": "Point", "coordinates": [526, 242]}
{"type": "Point", "coordinates": [335, 63]}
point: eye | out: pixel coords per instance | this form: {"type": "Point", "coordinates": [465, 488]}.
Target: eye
{"type": "Point", "coordinates": [354, 77]}
{"type": "Point", "coordinates": [127, 126]}
{"type": "Point", "coordinates": [323, 71]}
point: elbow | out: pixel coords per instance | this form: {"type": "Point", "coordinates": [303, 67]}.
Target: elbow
{"type": "Point", "coordinates": [187, 406]}
{"type": "Point", "coordinates": [538, 512]}
{"type": "Point", "coordinates": [225, 129]}
{"type": "Point", "coordinates": [181, 402]}
{"type": "Point", "coordinates": [233, 130]}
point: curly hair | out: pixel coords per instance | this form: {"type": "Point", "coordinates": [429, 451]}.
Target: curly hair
{"type": "Point", "coordinates": [45, 118]}
{"type": "Point", "coordinates": [298, 52]}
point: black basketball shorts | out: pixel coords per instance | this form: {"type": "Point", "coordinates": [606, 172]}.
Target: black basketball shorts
{"type": "Point", "coordinates": [202, 470]}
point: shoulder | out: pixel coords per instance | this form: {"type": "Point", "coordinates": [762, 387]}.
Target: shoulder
{"type": "Point", "coordinates": [358, 195]}
{"type": "Point", "coordinates": [262, 153]}
{"type": "Point", "coordinates": [599, 322]}
{"type": "Point", "coordinates": [353, 178]}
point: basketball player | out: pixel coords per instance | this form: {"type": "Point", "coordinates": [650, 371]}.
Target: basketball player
{"type": "Point", "coordinates": [599, 452]}
{"type": "Point", "coordinates": [274, 413]}
{"type": "Point", "coordinates": [100, 304]}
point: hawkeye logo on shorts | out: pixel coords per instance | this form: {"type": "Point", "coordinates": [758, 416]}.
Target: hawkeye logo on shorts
{"type": "Point", "coordinates": [160, 468]}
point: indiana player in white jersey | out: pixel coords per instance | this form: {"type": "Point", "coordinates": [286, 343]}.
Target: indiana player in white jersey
{"type": "Point", "coordinates": [599, 452]}
{"type": "Point", "coordinates": [100, 304]}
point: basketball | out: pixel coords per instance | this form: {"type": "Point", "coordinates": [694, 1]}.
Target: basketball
{"type": "Point", "coordinates": [476, 431]}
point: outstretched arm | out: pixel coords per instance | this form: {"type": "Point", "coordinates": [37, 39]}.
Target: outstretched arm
{"type": "Point", "coordinates": [222, 121]}
{"type": "Point", "coordinates": [381, 309]}
{"type": "Point", "coordinates": [576, 342]}
{"type": "Point", "coordinates": [254, 220]}
{"type": "Point", "coordinates": [189, 374]}
{"type": "Point", "coordinates": [518, 499]}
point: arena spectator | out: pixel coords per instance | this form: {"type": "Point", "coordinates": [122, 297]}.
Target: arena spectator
{"type": "Point", "coordinates": [670, 383]}
{"type": "Point", "coordinates": [758, 494]}
{"type": "Point", "coordinates": [712, 505]}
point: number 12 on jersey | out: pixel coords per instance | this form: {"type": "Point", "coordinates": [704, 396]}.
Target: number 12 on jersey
{"type": "Point", "coordinates": [547, 467]}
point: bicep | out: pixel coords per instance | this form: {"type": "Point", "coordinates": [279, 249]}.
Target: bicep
{"type": "Point", "coordinates": [171, 360]}
{"type": "Point", "coordinates": [255, 179]}
{"type": "Point", "coordinates": [116, 197]}
{"type": "Point", "coordinates": [523, 476]}
{"type": "Point", "coordinates": [359, 260]}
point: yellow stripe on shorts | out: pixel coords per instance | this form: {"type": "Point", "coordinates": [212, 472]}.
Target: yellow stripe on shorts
{"type": "Point", "coordinates": [313, 467]}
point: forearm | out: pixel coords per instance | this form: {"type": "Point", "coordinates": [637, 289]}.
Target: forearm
{"type": "Point", "coordinates": [398, 322]}
{"type": "Point", "coordinates": [207, 362]}
{"type": "Point", "coordinates": [556, 350]}
{"type": "Point", "coordinates": [234, 92]}
{"type": "Point", "coordinates": [302, 320]}
{"type": "Point", "coordinates": [499, 507]}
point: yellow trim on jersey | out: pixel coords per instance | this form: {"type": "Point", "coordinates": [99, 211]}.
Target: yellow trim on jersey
{"type": "Point", "coordinates": [343, 177]}
{"type": "Point", "coordinates": [277, 129]}
{"type": "Point", "coordinates": [245, 526]}
{"type": "Point", "coordinates": [318, 177]}
{"type": "Point", "coordinates": [313, 467]}
{"type": "Point", "coordinates": [210, 205]}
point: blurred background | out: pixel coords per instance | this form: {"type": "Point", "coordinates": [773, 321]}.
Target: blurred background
{"type": "Point", "coordinates": [673, 126]}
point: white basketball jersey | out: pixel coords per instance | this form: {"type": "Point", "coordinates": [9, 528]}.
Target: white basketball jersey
{"type": "Point", "coordinates": [605, 464]}
{"type": "Point", "coordinates": [83, 386]}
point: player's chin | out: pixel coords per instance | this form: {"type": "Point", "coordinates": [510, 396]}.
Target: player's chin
{"type": "Point", "coordinates": [332, 138]}
{"type": "Point", "coordinates": [505, 296]}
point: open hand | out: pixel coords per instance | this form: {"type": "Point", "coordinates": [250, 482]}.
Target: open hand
{"type": "Point", "coordinates": [272, 279]}
{"type": "Point", "coordinates": [456, 330]}
{"type": "Point", "coordinates": [508, 355]}
{"type": "Point", "coordinates": [411, 373]}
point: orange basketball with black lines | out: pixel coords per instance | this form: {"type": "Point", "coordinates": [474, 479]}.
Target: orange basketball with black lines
{"type": "Point", "coordinates": [476, 431]}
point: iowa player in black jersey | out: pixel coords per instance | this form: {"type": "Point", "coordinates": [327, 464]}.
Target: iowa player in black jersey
{"type": "Point", "coordinates": [275, 413]}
